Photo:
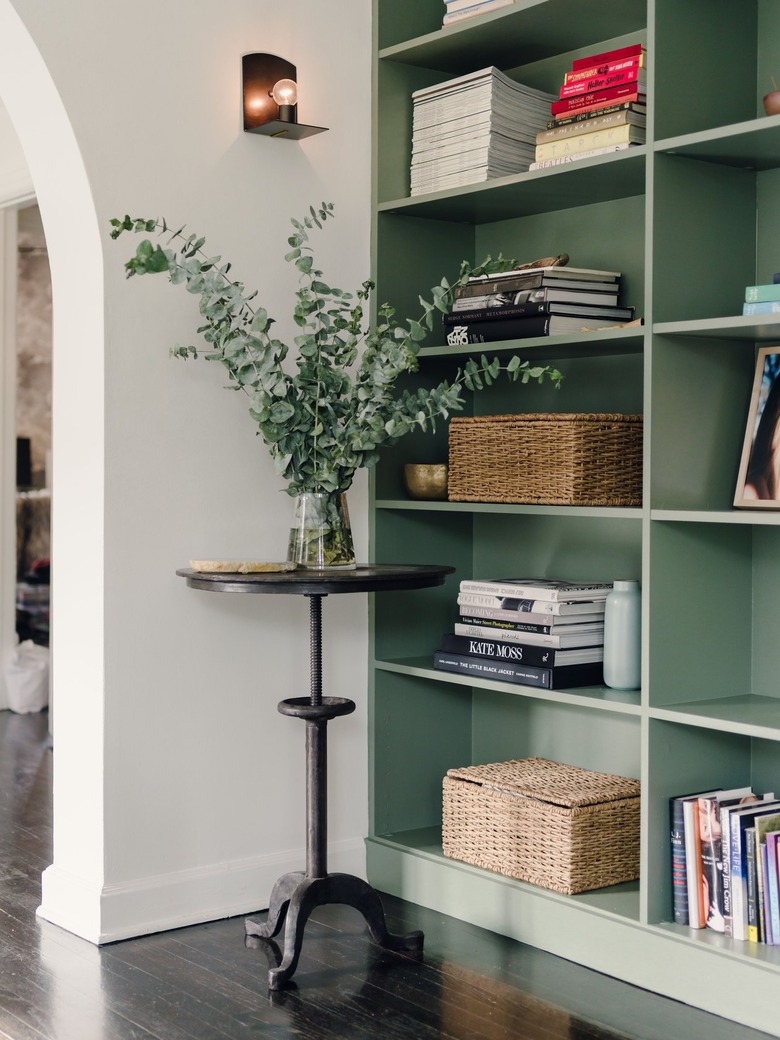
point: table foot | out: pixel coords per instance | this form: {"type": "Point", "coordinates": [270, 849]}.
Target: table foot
{"type": "Point", "coordinates": [281, 894]}
{"type": "Point", "coordinates": [310, 893]}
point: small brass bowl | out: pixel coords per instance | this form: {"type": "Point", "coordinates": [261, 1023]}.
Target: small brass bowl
{"type": "Point", "coordinates": [426, 480]}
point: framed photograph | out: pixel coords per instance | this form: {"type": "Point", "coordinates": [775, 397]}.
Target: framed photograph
{"type": "Point", "coordinates": [758, 484]}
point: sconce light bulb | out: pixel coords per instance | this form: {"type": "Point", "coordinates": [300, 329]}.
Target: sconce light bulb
{"type": "Point", "coordinates": [285, 92]}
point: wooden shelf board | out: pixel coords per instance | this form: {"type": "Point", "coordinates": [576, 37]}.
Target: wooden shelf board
{"type": "Point", "coordinates": [624, 702]}
{"type": "Point", "coordinates": [751, 715]}
{"type": "Point", "coordinates": [753, 145]}
{"type": "Point", "coordinates": [527, 31]}
{"type": "Point", "coordinates": [539, 191]}
{"type": "Point", "coordinates": [619, 900]}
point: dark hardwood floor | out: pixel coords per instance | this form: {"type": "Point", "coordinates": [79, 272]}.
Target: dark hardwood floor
{"type": "Point", "coordinates": [207, 983]}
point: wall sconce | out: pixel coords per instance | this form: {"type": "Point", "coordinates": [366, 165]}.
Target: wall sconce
{"type": "Point", "coordinates": [270, 93]}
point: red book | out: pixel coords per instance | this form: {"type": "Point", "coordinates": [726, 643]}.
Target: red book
{"type": "Point", "coordinates": [599, 98]}
{"type": "Point", "coordinates": [600, 82]}
{"type": "Point", "coordinates": [607, 56]}
{"type": "Point", "coordinates": [637, 62]}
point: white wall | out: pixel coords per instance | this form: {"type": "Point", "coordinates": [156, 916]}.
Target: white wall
{"type": "Point", "coordinates": [178, 787]}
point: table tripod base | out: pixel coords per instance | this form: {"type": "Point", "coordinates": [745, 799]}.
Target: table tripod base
{"type": "Point", "coordinates": [295, 896]}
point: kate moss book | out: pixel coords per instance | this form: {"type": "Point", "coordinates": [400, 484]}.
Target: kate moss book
{"type": "Point", "coordinates": [525, 675]}
{"type": "Point", "coordinates": [523, 653]}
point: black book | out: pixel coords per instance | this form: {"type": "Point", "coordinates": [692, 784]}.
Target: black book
{"type": "Point", "coordinates": [525, 653]}
{"type": "Point", "coordinates": [497, 330]}
{"type": "Point", "coordinates": [523, 674]}
{"type": "Point", "coordinates": [534, 307]}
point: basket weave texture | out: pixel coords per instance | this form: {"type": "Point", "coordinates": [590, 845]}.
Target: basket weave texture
{"type": "Point", "coordinates": [578, 459]}
{"type": "Point", "coordinates": [558, 826]}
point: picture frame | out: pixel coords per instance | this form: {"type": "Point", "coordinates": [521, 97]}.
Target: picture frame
{"type": "Point", "coordinates": [758, 482]}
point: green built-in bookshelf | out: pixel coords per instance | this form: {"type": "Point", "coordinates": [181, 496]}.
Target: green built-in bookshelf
{"type": "Point", "coordinates": [690, 219]}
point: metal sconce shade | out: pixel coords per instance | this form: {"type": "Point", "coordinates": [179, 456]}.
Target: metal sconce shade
{"type": "Point", "coordinates": [262, 115]}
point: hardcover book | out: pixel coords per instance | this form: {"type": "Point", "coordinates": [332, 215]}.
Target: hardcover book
{"type": "Point", "coordinates": [590, 153]}
{"type": "Point", "coordinates": [602, 81]}
{"type": "Point", "coordinates": [636, 61]}
{"type": "Point", "coordinates": [629, 51]}
{"type": "Point", "coordinates": [532, 309]}
{"type": "Point", "coordinates": [639, 108]}
{"type": "Point", "coordinates": [514, 621]}
{"type": "Point", "coordinates": [762, 293]}
{"type": "Point", "coordinates": [587, 122]}
{"type": "Point", "coordinates": [585, 635]}
{"type": "Point", "coordinates": [525, 653]}
{"type": "Point", "coordinates": [526, 675]}
{"type": "Point", "coordinates": [592, 98]}
{"type": "Point", "coordinates": [599, 99]}
{"type": "Point", "coordinates": [542, 607]}
{"type": "Point", "coordinates": [524, 328]}
{"type": "Point", "coordinates": [583, 142]}
{"type": "Point", "coordinates": [554, 589]}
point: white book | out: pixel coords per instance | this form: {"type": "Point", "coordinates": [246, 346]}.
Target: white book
{"type": "Point", "coordinates": [522, 605]}
{"type": "Point", "coordinates": [585, 635]}
{"type": "Point", "coordinates": [552, 589]}
{"type": "Point", "coordinates": [591, 153]}
{"type": "Point", "coordinates": [470, 12]}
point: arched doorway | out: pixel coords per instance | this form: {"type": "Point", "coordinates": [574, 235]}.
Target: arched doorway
{"type": "Point", "coordinates": [73, 884]}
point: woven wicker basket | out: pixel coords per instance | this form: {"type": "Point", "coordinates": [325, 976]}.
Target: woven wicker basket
{"type": "Point", "coordinates": [567, 459]}
{"type": "Point", "coordinates": [557, 826]}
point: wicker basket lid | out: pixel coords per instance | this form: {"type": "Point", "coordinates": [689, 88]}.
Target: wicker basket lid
{"type": "Point", "coordinates": [548, 781]}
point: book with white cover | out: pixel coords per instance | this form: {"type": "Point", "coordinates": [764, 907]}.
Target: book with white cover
{"type": "Point", "coordinates": [537, 588]}
{"type": "Point", "coordinates": [585, 635]}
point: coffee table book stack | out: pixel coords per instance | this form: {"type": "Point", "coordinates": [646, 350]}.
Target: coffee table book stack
{"type": "Point", "coordinates": [542, 301]}
{"type": "Point", "coordinates": [536, 632]}
{"type": "Point", "coordinates": [689, 220]}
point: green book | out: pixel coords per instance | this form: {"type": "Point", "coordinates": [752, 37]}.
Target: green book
{"type": "Point", "coordinates": [762, 293]}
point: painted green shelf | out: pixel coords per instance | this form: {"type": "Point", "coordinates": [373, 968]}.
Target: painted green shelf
{"type": "Point", "coordinates": [539, 191]}
{"type": "Point", "coordinates": [751, 715]}
{"type": "Point", "coordinates": [751, 145]}
{"type": "Point", "coordinates": [689, 220]}
{"type": "Point", "coordinates": [602, 698]}
{"type": "Point", "coordinates": [616, 900]}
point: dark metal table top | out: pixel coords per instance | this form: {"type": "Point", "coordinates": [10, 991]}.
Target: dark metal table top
{"type": "Point", "coordinates": [364, 578]}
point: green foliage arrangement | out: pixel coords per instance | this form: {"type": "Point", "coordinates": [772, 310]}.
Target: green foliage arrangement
{"type": "Point", "coordinates": [342, 405]}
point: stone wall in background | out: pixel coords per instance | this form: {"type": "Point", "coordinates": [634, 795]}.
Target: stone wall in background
{"type": "Point", "coordinates": [33, 362]}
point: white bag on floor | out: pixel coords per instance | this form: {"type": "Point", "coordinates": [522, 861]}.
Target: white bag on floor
{"type": "Point", "coordinates": [27, 678]}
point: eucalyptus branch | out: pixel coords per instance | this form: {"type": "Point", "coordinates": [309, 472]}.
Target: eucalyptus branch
{"type": "Point", "coordinates": [343, 405]}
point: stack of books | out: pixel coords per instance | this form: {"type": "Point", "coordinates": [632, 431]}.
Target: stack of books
{"type": "Point", "coordinates": [457, 10]}
{"type": "Point", "coordinates": [602, 108]}
{"type": "Point", "coordinates": [725, 863]}
{"type": "Point", "coordinates": [763, 299]}
{"type": "Point", "coordinates": [540, 301]}
{"type": "Point", "coordinates": [472, 128]}
{"type": "Point", "coordinates": [541, 632]}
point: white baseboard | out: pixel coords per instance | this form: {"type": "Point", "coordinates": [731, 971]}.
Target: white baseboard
{"type": "Point", "coordinates": [108, 913]}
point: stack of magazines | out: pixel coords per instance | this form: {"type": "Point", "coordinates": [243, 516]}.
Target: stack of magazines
{"type": "Point", "coordinates": [473, 128]}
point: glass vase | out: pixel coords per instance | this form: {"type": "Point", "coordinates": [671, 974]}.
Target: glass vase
{"type": "Point", "coordinates": [320, 536]}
